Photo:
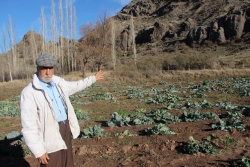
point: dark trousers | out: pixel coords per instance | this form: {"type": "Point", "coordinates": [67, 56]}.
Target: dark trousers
{"type": "Point", "coordinates": [62, 158]}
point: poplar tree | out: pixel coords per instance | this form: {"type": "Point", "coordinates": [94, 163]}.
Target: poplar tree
{"type": "Point", "coordinates": [67, 34]}
{"type": "Point", "coordinates": [25, 60]}
{"type": "Point", "coordinates": [61, 51]}
{"type": "Point", "coordinates": [34, 50]}
{"type": "Point", "coordinates": [43, 29]}
{"type": "Point", "coordinates": [74, 37]}
{"type": "Point", "coordinates": [53, 28]}
{"type": "Point", "coordinates": [7, 55]}
{"type": "Point", "coordinates": [133, 38]}
{"type": "Point", "coordinates": [71, 35]}
{"type": "Point", "coordinates": [113, 51]}
{"type": "Point", "coordinates": [13, 55]}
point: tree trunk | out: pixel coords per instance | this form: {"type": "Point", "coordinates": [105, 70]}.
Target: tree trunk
{"type": "Point", "coordinates": [133, 38]}
{"type": "Point", "coordinates": [113, 51]}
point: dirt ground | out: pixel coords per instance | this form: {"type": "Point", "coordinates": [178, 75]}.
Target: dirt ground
{"type": "Point", "coordinates": [145, 150]}
{"type": "Point", "coordinates": [150, 151]}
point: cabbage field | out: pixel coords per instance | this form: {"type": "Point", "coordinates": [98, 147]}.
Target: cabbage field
{"type": "Point", "coordinates": [147, 124]}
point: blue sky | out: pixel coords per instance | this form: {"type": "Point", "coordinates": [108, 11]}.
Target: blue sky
{"type": "Point", "coordinates": [25, 14]}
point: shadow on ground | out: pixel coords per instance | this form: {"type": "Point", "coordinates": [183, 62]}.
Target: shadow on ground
{"type": "Point", "coordinates": [12, 154]}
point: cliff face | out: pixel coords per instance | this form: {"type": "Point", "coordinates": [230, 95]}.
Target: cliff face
{"type": "Point", "coordinates": [192, 21]}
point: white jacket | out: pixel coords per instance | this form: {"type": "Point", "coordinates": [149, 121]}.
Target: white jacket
{"type": "Point", "coordinates": [40, 128]}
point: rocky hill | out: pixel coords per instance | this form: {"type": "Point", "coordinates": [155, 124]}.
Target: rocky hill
{"type": "Point", "coordinates": [192, 21]}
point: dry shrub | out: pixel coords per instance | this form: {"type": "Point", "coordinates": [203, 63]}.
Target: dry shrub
{"type": "Point", "coordinates": [170, 63]}
{"type": "Point", "coordinates": [189, 61]}
{"type": "Point", "coordinates": [150, 67]}
{"type": "Point", "coordinates": [207, 74]}
{"type": "Point", "coordinates": [126, 72]}
{"type": "Point", "coordinates": [150, 62]}
{"type": "Point", "coordinates": [188, 75]}
{"type": "Point", "coordinates": [153, 67]}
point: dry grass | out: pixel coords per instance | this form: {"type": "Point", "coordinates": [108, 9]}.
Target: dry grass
{"type": "Point", "coordinates": [181, 75]}
{"type": "Point", "coordinates": [197, 75]}
{"type": "Point", "coordinates": [14, 88]}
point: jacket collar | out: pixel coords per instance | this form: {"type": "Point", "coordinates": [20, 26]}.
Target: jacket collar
{"type": "Point", "coordinates": [36, 81]}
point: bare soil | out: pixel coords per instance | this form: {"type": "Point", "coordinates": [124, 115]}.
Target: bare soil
{"type": "Point", "coordinates": [144, 150]}
{"type": "Point", "coordinates": [150, 151]}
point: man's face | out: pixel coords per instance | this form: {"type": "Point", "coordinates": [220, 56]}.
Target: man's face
{"type": "Point", "coordinates": [46, 73]}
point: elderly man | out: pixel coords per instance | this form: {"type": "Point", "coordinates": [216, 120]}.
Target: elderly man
{"type": "Point", "coordinates": [47, 115]}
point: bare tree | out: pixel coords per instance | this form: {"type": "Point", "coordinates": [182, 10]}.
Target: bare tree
{"type": "Point", "coordinates": [71, 35]}
{"type": "Point", "coordinates": [67, 33]}
{"type": "Point", "coordinates": [16, 64]}
{"type": "Point", "coordinates": [43, 29]}
{"type": "Point", "coordinates": [7, 55]}
{"type": "Point", "coordinates": [99, 37]}
{"type": "Point", "coordinates": [3, 68]}
{"type": "Point", "coordinates": [86, 29]}
{"type": "Point", "coordinates": [34, 50]}
{"type": "Point", "coordinates": [103, 31]}
{"type": "Point", "coordinates": [53, 27]}
{"type": "Point", "coordinates": [61, 52]}
{"type": "Point", "coordinates": [74, 36]}
{"type": "Point", "coordinates": [86, 47]}
{"type": "Point", "coordinates": [113, 51]}
{"type": "Point", "coordinates": [86, 54]}
{"type": "Point", "coordinates": [25, 59]}
{"type": "Point", "coordinates": [13, 47]}
{"type": "Point", "coordinates": [3, 72]}
{"type": "Point", "coordinates": [133, 38]}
